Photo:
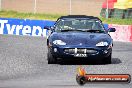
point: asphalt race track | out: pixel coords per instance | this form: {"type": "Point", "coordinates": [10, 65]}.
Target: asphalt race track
{"type": "Point", "coordinates": [23, 64]}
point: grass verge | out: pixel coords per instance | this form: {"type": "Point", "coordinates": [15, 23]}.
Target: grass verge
{"type": "Point", "coordinates": [117, 21]}
{"type": "Point", "coordinates": [14, 14]}
{"type": "Point", "coordinates": [37, 16]}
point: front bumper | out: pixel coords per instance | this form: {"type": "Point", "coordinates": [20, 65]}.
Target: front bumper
{"type": "Point", "coordinates": [80, 52]}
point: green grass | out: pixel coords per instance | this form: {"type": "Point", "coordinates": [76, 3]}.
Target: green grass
{"type": "Point", "coordinates": [14, 14]}
{"type": "Point", "coordinates": [117, 21]}
{"type": "Point", "coordinates": [45, 16]}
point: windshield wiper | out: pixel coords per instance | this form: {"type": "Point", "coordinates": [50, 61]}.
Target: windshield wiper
{"type": "Point", "coordinates": [70, 30]}
{"type": "Point", "coordinates": [67, 30]}
{"type": "Point", "coordinates": [95, 31]}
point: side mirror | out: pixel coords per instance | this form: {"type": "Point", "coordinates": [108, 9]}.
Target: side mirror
{"type": "Point", "coordinates": [111, 29]}
{"type": "Point", "coordinates": [47, 27]}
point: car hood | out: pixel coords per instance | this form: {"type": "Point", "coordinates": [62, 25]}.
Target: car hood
{"type": "Point", "coordinates": [81, 38]}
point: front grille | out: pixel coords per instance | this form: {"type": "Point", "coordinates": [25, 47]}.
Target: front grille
{"type": "Point", "coordinates": [91, 51]}
{"type": "Point", "coordinates": [71, 51]}
{"type": "Point", "coordinates": [80, 51]}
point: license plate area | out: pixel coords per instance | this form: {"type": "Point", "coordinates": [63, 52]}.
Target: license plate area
{"type": "Point", "coordinates": [80, 55]}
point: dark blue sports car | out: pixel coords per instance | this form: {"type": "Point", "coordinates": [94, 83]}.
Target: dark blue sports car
{"type": "Point", "coordinates": [79, 36]}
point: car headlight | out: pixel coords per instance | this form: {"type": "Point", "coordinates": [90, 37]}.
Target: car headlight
{"type": "Point", "coordinates": [102, 44]}
{"type": "Point", "coordinates": [59, 42]}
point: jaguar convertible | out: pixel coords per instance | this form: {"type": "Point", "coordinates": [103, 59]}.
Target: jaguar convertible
{"type": "Point", "coordinates": [79, 36]}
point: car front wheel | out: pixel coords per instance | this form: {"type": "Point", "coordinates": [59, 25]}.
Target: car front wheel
{"type": "Point", "coordinates": [107, 60]}
{"type": "Point", "coordinates": [51, 58]}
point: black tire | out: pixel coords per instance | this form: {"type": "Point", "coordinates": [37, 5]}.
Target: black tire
{"type": "Point", "coordinates": [51, 58]}
{"type": "Point", "coordinates": [107, 60]}
{"type": "Point", "coordinates": [81, 80]}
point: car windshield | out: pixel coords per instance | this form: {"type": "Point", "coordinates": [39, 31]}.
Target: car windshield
{"type": "Point", "coordinates": [85, 25]}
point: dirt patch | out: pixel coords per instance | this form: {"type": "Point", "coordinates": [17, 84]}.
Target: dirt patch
{"type": "Point", "coordinates": [85, 7]}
